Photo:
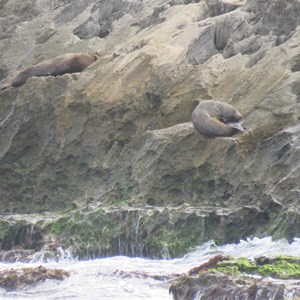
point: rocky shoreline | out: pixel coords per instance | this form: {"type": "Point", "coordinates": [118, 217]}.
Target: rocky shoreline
{"type": "Point", "coordinates": [18, 279]}
{"type": "Point", "coordinates": [107, 162]}
{"type": "Point", "coordinates": [230, 278]}
{"type": "Point", "coordinates": [222, 277]}
{"type": "Point", "coordinates": [151, 232]}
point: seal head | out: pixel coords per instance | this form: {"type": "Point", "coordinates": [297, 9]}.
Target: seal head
{"type": "Point", "coordinates": [215, 118]}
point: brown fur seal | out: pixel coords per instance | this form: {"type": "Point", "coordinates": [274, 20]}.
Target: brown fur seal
{"type": "Point", "coordinates": [67, 63]}
{"type": "Point", "coordinates": [215, 118]}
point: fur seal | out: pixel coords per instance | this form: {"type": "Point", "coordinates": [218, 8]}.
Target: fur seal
{"type": "Point", "coordinates": [215, 118]}
{"type": "Point", "coordinates": [67, 63]}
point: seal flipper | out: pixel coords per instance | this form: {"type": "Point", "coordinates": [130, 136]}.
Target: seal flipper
{"type": "Point", "coordinates": [236, 125]}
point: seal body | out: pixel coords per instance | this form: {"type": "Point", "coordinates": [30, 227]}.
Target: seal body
{"type": "Point", "coordinates": [67, 63]}
{"type": "Point", "coordinates": [215, 118]}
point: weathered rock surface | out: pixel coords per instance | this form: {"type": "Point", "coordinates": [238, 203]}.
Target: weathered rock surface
{"type": "Point", "coordinates": [148, 232]}
{"type": "Point", "coordinates": [119, 133]}
{"type": "Point", "coordinates": [16, 255]}
{"type": "Point", "coordinates": [215, 280]}
{"type": "Point", "coordinates": [216, 287]}
{"type": "Point", "coordinates": [18, 279]}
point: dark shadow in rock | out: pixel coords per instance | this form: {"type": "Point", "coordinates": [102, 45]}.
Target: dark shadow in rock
{"type": "Point", "coordinates": [21, 235]}
{"type": "Point", "coordinates": [230, 35]}
{"type": "Point", "coordinates": [234, 34]}
{"type": "Point", "coordinates": [3, 72]}
{"type": "Point", "coordinates": [222, 34]}
{"type": "Point", "coordinates": [217, 7]}
{"type": "Point", "coordinates": [182, 2]}
{"type": "Point", "coordinates": [70, 12]}
{"type": "Point", "coordinates": [246, 46]}
{"type": "Point", "coordinates": [253, 60]}
{"type": "Point", "coordinates": [296, 88]}
{"type": "Point", "coordinates": [296, 91]}
{"type": "Point", "coordinates": [295, 64]}
{"type": "Point", "coordinates": [276, 16]}
{"type": "Point", "coordinates": [280, 39]}
{"type": "Point", "coordinates": [151, 202]}
{"type": "Point", "coordinates": [253, 44]}
{"type": "Point", "coordinates": [154, 19]}
{"type": "Point", "coordinates": [103, 14]}
{"type": "Point", "coordinates": [91, 28]}
{"type": "Point", "coordinates": [176, 193]}
{"type": "Point", "coordinates": [45, 35]}
{"type": "Point", "coordinates": [202, 48]}
{"type": "Point", "coordinates": [285, 150]}
{"type": "Point", "coordinates": [204, 189]}
{"type": "Point", "coordinates": [2, 3]}
{"type": "Point", "coordinates": [154, 100]}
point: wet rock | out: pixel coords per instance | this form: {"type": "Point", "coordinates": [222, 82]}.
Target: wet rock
{"type": "Point", "coordinates": [48, 252]}
{"type": "Point", "coordinates": [16, 255]}
{"type": "Point", "coordinates": [209, 282]}
{"type": "Point", "coordinates": [16, 234]}
{"type": "Point", "coordinates": [217, 287]}
{"type": "Point", "coordinates": [154, 232]}
{"type": "Point", "coordinates": [119, 133]}
{"type": "Point", "coordinates": [18, 279]}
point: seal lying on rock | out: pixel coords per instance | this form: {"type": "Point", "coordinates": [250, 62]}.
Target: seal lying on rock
{"type": "Point", "coordinates": [215, 118]}
{"type": "Point", "coordinates": [67, 63]}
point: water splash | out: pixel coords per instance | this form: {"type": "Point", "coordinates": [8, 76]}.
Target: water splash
{"type": "Point", "coordinates": [136, 246]}
{"type": "Point", "coordinates": [99, 279]}
{"type": "Point", "coordinates": [65, 255]}
{"type": "Point", "coordinates": [58, 255]}
{"type": "Point", "coordinates": [165, 253]}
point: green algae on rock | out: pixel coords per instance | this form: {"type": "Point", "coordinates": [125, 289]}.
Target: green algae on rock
{"type": "Point", "coordinates": [157, 232]}
{"type": "Point", "coordinates": [224, 276]}
{"type": "Point", "coordinates": [151, 232]}
{"type": "Point", "coordinates": [283, 267]}
{"type": "Point", "coordinates": [120, 132]}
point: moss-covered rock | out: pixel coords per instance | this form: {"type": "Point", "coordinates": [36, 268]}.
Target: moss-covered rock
{"type": "Point", "coordinates": [224, 276]}
{"type": "Point", "coordinates": [129, 231]}
{"type": "Point", "coordinates": [147, 232]}
{"type": "Point", "coordinates": [19, 233]}
{"type": "Point", "coordinates": [125, 230]}
{"type": "Point", "coordinates": [279, 267]}
{"type": "Point", "coordinates": [120, 131]}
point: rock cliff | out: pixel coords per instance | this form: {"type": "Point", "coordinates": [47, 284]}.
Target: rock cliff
{"type": "Point", "coordinates": [119, 137]}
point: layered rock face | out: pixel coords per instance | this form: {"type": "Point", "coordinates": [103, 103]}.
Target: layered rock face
{"type": "Point", "coordinates": [120, 132]}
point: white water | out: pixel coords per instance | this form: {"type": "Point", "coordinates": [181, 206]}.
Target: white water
{"type": "Point", "coordinates": [95, 279]}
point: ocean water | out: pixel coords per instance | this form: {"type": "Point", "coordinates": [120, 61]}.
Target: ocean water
{"type": "Point", "coordinates": [102, 278]}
